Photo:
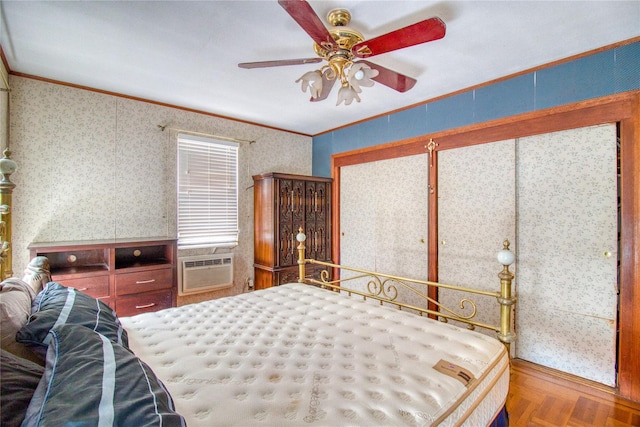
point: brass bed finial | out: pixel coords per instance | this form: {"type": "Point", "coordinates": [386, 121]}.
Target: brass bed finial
{"type": "Point", "coordinates": [506, 258]}
{"type": "Point", "coordinates": [301, 237]}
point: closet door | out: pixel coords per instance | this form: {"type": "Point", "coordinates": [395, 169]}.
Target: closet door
{"type": "Point", "coordinates": [567, 251]}
{"type": "Point", "coordinates": [357, 217]}
{"type": "Point", "coordinates": [476, 212]}
{"type": "Point", "coordinates": [383, 218]}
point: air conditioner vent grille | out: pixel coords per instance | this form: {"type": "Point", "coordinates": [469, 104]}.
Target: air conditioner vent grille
{"type": "Point", "coordinates": [207, 262]}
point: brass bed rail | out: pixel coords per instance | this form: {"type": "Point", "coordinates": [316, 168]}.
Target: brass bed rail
{"type": "Point", "coordinates": [384, 288]}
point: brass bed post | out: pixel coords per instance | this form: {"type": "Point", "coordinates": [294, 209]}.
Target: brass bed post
{"type": "Point", "coordinates": [7, 167]}
{"type": "Point", "coordinates": [301, 248]}
{"type": "Point", "coordinates": [506, 258]}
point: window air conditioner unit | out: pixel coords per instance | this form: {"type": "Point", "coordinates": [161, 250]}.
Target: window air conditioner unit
{"type": "Point", "coordinates": [204, 273]}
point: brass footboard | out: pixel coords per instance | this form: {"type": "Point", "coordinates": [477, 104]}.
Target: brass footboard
{"type": "Point", "coordinates": [384, 288]}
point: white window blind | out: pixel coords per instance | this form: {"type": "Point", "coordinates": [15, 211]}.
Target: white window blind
{"type": "Point", "coordinates": [207, 192]}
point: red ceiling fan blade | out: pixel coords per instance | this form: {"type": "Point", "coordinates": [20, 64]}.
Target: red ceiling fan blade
{"type": "Point", "coordinates": [304, 15]}
{"type": "Point", "coordinates": [390, 78]}
{"type": "Point", "coordinates": [327, 85]}
{"type": "Point", "coordinates": [421, 32]}
{"type": "Point", "coordinates": [279, 63]}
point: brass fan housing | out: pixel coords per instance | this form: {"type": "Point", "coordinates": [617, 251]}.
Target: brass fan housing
{"type": "Point", "coordinates": [339, 17]}
{"type": "Point", "coordinates": [344, 36]}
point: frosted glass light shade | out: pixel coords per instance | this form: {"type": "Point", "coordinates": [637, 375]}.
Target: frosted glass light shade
{"type": "Point", "coordinates": [360, 75]}
{"type": "Point", "coordinates": [312, 81]}
{"type": "Point", "coordinates": [346, 94]}
{"type": "Point", "coordinates": [300, 237]}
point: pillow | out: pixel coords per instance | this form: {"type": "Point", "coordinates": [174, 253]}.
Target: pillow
{"type": "Point", "coordinates": [59, 305]}
{"type": "Point", "coordinates": [15, 307]}
{"type": "Point", "coordinates": [20, 377]}
{"type": "Point", "coordinates": [89, 380]}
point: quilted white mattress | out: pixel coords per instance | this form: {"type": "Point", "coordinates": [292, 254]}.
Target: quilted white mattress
{"type": "Point", "coordinates": [299, 355]}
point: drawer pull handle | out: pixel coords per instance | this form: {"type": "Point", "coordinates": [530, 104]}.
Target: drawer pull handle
{"type": "Point", "coordinates": [140, 282]}
{"type": "Point", "coordinates": [139, 307]}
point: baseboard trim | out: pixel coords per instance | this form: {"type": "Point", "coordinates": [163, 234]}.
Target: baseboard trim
{"type": "Point", "coordinates": [583, 385]}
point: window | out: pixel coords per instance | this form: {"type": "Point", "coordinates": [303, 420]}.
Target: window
{"type": "Point", "coordinates": [207, 192]}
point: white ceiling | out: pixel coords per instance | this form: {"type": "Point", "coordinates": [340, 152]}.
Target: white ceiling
{"type": "Point", "coordinates": [185, 53]}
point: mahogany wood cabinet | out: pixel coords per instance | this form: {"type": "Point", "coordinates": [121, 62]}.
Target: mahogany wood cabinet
{"type": "Point", "coordinates": [283, 203]}
{"type": "Point", "coordinates": [132, 276]}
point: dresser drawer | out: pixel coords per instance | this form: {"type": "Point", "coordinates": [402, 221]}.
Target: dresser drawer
{"type": "Point", "coordinates": [97, 286]}
{"type": "Point", "coordinates": [131, 305]}
{"type": "Point", "coordinates": [144, 281]}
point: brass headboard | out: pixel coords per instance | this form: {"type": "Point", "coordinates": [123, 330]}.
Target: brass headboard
{"type": "Point", "coordinates": [7, 167]}
{"type": "Point", "coordinates": [384, 288]}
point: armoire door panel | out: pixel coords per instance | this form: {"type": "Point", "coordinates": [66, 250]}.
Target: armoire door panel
{"type": "Point", "coordinates": [316, 201]}
{"type": "Point", "coordinates": [285, 200]}
{"type": "Point", "coordinates": [318, 244]}
{"type": "Point", "coordinates": [287, 244]}
{"type": "Point", "coordinates": [298, 201]}
{"type": "Point", "coordinates": [291, 200]}
{"type": "Point", "coordinates": [317, 220]}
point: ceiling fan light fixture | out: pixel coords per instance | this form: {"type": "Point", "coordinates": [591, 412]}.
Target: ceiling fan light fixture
{"type": "Point", "coordinates": [344, 50]}
{"type": "Point", "coordinates": [311, 80]}
{"type": "Point", "coordinates": [352, 77]}
{"type": "Point", "coordinates": [361, 75]}
{"type": "Point", "coordinates": [347, 94]}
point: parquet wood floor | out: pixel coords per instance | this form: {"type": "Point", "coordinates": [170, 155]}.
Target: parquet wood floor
{"type": "Point", "coordinates": [542, 397]}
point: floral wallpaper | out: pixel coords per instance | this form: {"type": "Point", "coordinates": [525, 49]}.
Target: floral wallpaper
{"type": "Point", "coordinates": [567, 251]}
{"type": "Point", "coordinates": [96, 166]}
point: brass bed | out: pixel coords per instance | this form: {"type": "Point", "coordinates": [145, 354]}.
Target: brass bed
{"type": "Point", "coordinates": [329, 355]}
{"type": "Point", "coordinates": [309, 353]}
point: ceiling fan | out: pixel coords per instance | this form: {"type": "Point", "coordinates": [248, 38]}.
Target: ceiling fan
{"type": "Point", "coordinates": [344, 48]}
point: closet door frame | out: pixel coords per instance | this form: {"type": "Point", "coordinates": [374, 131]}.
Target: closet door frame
{"type": "Point", "coordinates": [621, 108]}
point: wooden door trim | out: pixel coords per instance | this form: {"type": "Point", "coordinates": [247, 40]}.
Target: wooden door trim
{"type": "Point", "coordinates": [629, 300]}
{"type": "Point", "coordinates": [623, 108]}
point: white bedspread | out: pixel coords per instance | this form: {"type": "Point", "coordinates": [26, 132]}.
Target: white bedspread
{"type": "Point", "coordinates": [299, 355]}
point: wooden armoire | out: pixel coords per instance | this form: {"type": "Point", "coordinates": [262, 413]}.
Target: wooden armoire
{"type": "Point", "coordinates": [282, 204]}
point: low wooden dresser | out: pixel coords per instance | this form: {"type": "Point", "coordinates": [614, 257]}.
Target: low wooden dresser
{"type": "Point", "coordinates": [131, 275]}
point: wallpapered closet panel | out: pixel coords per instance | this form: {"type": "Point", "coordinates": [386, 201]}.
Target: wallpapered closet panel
{"type": "Point", "coordinates": [383, 218]}
{"type": "Point", "coordinates": [567, 221]}
{"type": "Point", "coordinates": [476, 213]}
{"type": "Point", "coordinates": [357, 216]}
